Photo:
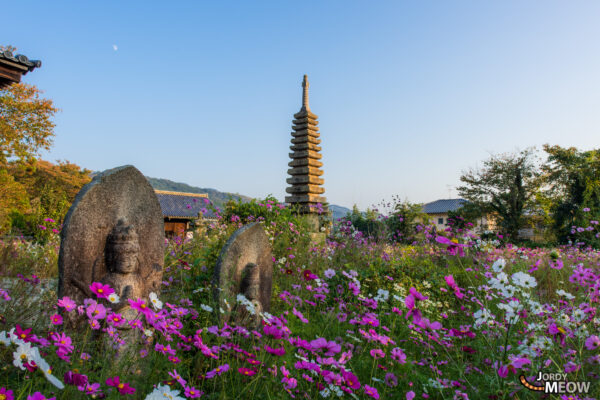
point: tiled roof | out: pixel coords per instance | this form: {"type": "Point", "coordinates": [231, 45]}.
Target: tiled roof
{"type": "Point", "coordinates": [443, 206]}
{"type": "Point", "coordinates": [20, 59]}
{"type": "Point", "coordinates": [182, 205]}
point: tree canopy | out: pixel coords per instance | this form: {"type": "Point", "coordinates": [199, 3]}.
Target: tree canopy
{"type": "Point", "coordinates": [26, 125]}
{"type": "Point", "coordinates": [505, 187]}
{"type": "Point", "coordinates": [572, 178]}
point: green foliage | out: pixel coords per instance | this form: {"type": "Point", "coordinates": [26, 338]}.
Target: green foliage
{"type": "Point", "coordinates": [368, 223]}
{"type": "Point", "coordinates": [402, 223]}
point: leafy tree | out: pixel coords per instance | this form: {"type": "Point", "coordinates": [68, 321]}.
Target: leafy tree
{"type": "Point", "coordinates": [573, 181]}
{"type": "Point", "coordinates": [464, 217]}
{"type": "Point", "coordinates": [368, 222]}
{"type": "Point", "coordinates": [505, 187]}
{"type": "Point", "coordinates": [26, 125]}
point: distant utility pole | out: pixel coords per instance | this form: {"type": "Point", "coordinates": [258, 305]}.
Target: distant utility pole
{"type": "Point", "coordinates": [449, 187]}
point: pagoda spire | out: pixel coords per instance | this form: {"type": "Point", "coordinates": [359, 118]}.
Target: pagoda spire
{"type": "Point", "coordinates": [305, 167]}
{"type": "Point", "coordinates": [305, 86]}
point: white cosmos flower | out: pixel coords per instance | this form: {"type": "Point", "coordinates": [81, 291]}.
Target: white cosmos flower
{"type": "Point", "coordinates": [164, 392]}
{"type": "Point", "coordinates": [564, 319]}
{"type": "Point", "coordinates": [567, 295]}
{"type": "Point", "coordinates": [148, 332]}
{"type": "Point", "coordinates": [524, 280]}
{"type": "Point", "coordinates": [5, 339]}
{"type": "Point", "coordinates": [579, 315]}
{"type": "Point", "coordinates": [206, 308]}
{"type": "Point", "coordinates": [113, 298]}
{"type": "Point", "coordinates": [23, 354]}
{"type": "Point", "coordinates": [156, 303]}
{"type": "Point", "coordinates": [503, 278]}
{"type": "Point", "coordinates": [499, 265]}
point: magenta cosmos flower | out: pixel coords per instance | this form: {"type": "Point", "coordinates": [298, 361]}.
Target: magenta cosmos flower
{"type": "Point", "coordinates": [56, 319]}
{"type": "Point", "coordinates": [592, 343]}
{"type": "Point", "coordinates": [217, 371]}
{"type": "Point", "coordinates": [67, 303]}
{"type": "Point", "coordinates": [371, 391]}
{"type": "Point", "coordinates": [100, 290]}
{"type": "Point", "coordinates": [39, 396]}
{"type": "Point", "coordinates": [122, 387]}
{"type": "Point", "coordinates": [8, 394]}
{"type": "Point", "coordinates": [246, 371]}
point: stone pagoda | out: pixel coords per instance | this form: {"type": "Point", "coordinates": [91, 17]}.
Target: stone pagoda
{"type": "Point", "coordinates": [305, 183]}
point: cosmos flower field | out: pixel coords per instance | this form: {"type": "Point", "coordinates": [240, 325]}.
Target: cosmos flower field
{"type": "Point", "coordinates": [449, 316]}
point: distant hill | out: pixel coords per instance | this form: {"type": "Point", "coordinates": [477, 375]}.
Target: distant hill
{"type": "Point", "coordinates": [339, 211]}
{"type": "Point", "coordinates": [218, 198]}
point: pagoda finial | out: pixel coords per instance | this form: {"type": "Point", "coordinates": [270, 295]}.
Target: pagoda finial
{"type": "Point", "coordinates": [305, 86]}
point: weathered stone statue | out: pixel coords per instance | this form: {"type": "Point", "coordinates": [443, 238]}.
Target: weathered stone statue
{"type": "Point", "coordinates": [123, 263]}
{"type": "Point", "coordinates": [245, 266]}
{"type": "Point", "coordinates": [114, 234]}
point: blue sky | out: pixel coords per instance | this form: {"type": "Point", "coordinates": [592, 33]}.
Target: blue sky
{"type": "Point", "coordinates": [408, 94]}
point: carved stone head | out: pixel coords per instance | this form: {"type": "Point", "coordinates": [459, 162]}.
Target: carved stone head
{"type": "Point", "coordinates": [122, 249]}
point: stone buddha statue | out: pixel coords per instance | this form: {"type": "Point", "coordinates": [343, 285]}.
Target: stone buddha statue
{"type": "Point", "coordinates": [123, 266]}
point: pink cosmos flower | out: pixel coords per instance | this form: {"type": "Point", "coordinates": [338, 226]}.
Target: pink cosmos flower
{"type": "Point", "coordinates": [62, 341]}
{"type": "Point", "coordinates": [23, 334]}
{"type": "Point", "coordinates": [246, 371]}
{"type": "Point", "coordinates": [371, 391]}
{"type": "Point", "coordinates": [164, 349]}
{"type": "Point", "coordinates": [450, 281]}
{"type": "Point", "coordinates": [122, 387]}
{"type": "Point", "coordinates": [39, 396]}
{"type": "Point", "coordinates": [67, 303]}
{"type": "Point", "coordinates": [96, 311]}
{"type": "Point", "coordinates": [192, 392]}
{"type": "Point", "coordinates": [377, 353]}
{"type": "Point", "coordinates": [351, 380]}
{"type": "Point", "coordinates": [409, 301]}
{"type": "Point", "coordinates": [277, 352]}
{"type": "Point", "coordinates": [391, 380]}
{"type": "Point", "coordinates": [217, 371]}
{"type": "Point", "coordinates": [410, 395]}
{"type": "Point", "coordinates": [398, 355]}
{"type": "Point", "coordinates": [100, 290]}
{"type": "Point", "coordinates": [90, 389]}
{"type": "Point", "coordinates": [56, 319]}
{"type": "Point", "coordinates": [139, 305]}
{"type": "Point", "coordinates": [115, 319]}
{"type": "Point", "coordinates": [503, 371]}
{"type": "Point", "coordinates": [8, 394]}
{"type": "Point", "coordinates": [175, 375]}
{"type": "Point", "coordinates": [593, 342]}
{"type": "Point", "coordinates": [299, 315]}
{"type": "Point", "coordinates": [75, 379]}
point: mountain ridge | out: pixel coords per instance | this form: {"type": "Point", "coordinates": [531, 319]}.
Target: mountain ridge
{"type": "Point", "coordinates": [218, 198]}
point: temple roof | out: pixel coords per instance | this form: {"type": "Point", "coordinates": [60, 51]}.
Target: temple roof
{"type": "Point", "coordinates": [12, 67]}
{"type": "Point", "coordinates": [182, 205]}
{"type": "Point", "coordinates": [19, 59]}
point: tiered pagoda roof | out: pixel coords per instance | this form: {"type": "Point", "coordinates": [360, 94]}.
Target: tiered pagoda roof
{"type": "Point", "coordinates": [305, 185]}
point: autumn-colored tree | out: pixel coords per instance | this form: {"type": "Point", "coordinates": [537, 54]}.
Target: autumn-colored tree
{"type": "Point", "coordinates": [13, 198]}
{"type": "Point", "coordinates": [50, 188]}
{"type": "Point", "coordinates": [26, 125]}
